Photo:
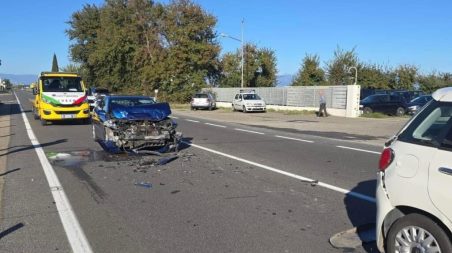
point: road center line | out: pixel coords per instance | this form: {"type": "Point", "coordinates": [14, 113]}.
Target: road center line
{"type": "Point", "coordinates": [215, 125]}
{"type": "Point", "coordinates": [71, 225]}
{"type": "Point", "coordinates": [190, 120]}
{"type": "Point", "coordinates": [248, 131]}
{"type": "Point", "coordinates": [294, 139]}
{"type": "Point", "coordinates": [358, 149]}
{"type": "Point", "coordinates": [328, 186]}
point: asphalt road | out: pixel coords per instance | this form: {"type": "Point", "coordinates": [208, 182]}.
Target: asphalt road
{"type": "Point", "coordinates": [236, 189]}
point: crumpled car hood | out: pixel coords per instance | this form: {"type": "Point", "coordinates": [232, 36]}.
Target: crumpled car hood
{"type": "Point", "coordinates": [153, 112]}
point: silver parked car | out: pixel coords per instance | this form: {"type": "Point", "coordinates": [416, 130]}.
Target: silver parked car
{"type": "Point", "coordinates": [203, 101]}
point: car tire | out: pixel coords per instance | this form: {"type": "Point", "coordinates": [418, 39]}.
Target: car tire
{"type": "Point", "coordinates": [400, 111]}
{"type": "Point", "coordinates": [367, 110]}
{"type": "Point", "coordinates": [244, 109]}
{"type": "Point", "coordinates": [414, 223]}
{"type": "Point", "coordinates": [43, 122]}
{"type": "Point", "coordinates": [35, 114]}
{"type": "Point", "coordinates": [233, 108]}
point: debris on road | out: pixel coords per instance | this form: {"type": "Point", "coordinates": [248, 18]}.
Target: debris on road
{"type": "Point", "coordinates": [312, 182]}
{"type": "Point", "coordinates": [144, 184]}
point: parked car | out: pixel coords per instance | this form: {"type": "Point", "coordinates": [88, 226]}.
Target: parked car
{"type": "Point", "coordinates": [248, 101]}
{"type": "Point", "coordinates": [203, 101]}
{"type": "Point", "coordinates": [134, 123]}
{"type": "Point", "coordinates": [414, 183]}
{"type": "Point", "coordinates": [418, 103]}
{"type": "Point", "coordinates": [388, 104]}
{"type": "Point", "coordinates": [94, 93]}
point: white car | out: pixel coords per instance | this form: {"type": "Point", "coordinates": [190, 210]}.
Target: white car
{"type": "Point", "coordinates": [203, 101]}
{"type": "Point", "coordinates": [248, 102]}
{"type": "Point", "coordinates": [414, 186]}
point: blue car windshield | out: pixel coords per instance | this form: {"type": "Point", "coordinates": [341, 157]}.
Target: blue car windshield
{"type": "Point", "coordinates": [130, 102]}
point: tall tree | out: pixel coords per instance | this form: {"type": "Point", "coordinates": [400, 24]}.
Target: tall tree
{"type": "Point", "coordinates": [373, 76]}
{"type": "Point", "coordinates": [55, 64]}
{"type": "Point", "coordinates": [310, 73]}
{"type": "Point", "coordinates": [404, 77]}
{"type": "Point", "coordinates": [338, 68]}
{"type": "Point", "coordinates": [83, 32]}
{"type": "Point", "coordinates": [259, 67]}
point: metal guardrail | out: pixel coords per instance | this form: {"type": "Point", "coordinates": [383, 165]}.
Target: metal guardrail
{"type": "Point", "coordinates": [299, 96]}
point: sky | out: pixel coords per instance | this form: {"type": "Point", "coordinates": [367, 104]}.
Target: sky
{"type": "Point", "coordinates": [385, 32]}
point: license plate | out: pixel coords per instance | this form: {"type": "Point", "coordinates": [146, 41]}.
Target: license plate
{"type": "Point", "coordinates": [68, 116]}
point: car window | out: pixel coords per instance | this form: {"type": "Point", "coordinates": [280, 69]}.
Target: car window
{"type": "Point", "coordinates": [201, 96]}
{"type": "Point", "coordinates": [251, 97]}
{"type": "Point", "coordinates": [447, 142]}
{"type": "Point", "coordinates": [430, 123]}
{"type": "Point", "coordinates": [384, 99]}
{"type": "Point", "coordinates": [61, 84]}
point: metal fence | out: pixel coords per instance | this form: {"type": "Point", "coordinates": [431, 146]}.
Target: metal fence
{"type": "Point", "coordinates": [300, 96]}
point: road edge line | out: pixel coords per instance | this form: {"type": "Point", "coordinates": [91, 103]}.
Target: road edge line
{"type": "Point", "coordinates": [292, 175]}
{"type": "Point", "coordinates": [71, 225]}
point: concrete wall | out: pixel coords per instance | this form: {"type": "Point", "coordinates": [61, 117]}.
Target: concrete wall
{"type": "Point", "coordinates": [342, 101]}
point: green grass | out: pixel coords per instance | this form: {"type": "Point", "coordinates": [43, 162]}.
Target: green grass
{"type": "Point", "coordinates": [180, 106]}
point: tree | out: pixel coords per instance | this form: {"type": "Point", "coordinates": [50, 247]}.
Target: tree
{"type": "Point", "coordinates": [404, 77]}
{"type": "Point", "coordinates": [310, 73]}
{"type": "Point", "coordinates": [373, 76]}
{"type": "Point", "coordinates": [259, 68]}
{"type": "Point", "coordinates": [83, 32]}
{"type": "Point", "coordinates": [138, 46]}
{"type": "Point", "coordinates": [55, 64]}
{"type": "Point", "coordinates": [433, 81]}
{"type": "Point", "coordinates": [337, 69]}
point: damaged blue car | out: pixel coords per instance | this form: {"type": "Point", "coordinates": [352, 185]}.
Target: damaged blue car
{"type": "Point", "coordinates": [134, 123]}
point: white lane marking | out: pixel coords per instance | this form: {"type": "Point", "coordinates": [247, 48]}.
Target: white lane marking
{"type": "Point", "coordinates": [192, 120]}
{"type": "Point", "coordinates": [71, 225]}
{"type": "Point", "coordinates": [294, 139]}
{"type": "Point", "coordinates": [173, 117]}
{"type": "Point", "coordinates": [248, 131]}
{"type": "Point", "coordinates": [328, 186]}
{"type": "Point", "coordinates": [215, 125]}
{"type": "Point", "coordinates": [358, 149]}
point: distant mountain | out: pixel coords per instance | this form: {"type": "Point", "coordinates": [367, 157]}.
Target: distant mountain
{"type": "Point", "coordinates": [283, 80]}
{"type": "Point", "coordinates": [19, 79]}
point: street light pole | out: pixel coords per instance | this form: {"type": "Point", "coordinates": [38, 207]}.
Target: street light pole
{"type": "Point", "coordinates": [242, 62]}
{"type": "Point", "coordinates": [356, 74]}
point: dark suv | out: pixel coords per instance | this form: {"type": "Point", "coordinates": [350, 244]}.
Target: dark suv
{"type": "Point", "coordinates": [387, 104]}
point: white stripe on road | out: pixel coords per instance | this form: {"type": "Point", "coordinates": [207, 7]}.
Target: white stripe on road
{"type": "Point", "coordinates": [358, 149]}
{"type": "Point", "coordinates": [215, 125]}
{"type": "Point", "coordinates": [192, 120]}
{"type": "Point", "coordinates": [294, 139]}
{"type": "Point", "coordinates": [173, 117]}
{"type": "Point", "coordinates": [71, 225]}
{"type": "Point", "coordinates": [328, 186]}
{"type": "Point", "coordinates": [248, 131]}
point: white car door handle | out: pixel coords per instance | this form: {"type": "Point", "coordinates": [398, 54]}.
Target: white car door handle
{"type": "Point", "coordinates": [446, 171]}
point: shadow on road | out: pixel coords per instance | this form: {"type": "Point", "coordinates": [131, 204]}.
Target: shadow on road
{"type": "Point", "coordinates": [28, 147]}
{"type": "Point", "coordinates": [9, 171]}
{"type": "Point", "coordinates": [11, 230]}
{"type": "Point", "coordinates": [361, 213]}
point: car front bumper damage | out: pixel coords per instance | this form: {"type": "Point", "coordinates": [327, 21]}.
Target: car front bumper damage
{"type": "Point", "coordinates": [137, 135]}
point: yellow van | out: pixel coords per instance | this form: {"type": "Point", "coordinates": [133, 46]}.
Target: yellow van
{"type": "Point", "coordinates": [60, 96]}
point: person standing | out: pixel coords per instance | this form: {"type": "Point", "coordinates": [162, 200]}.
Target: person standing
{"type": "Point", "coordinates": [322, 109]}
